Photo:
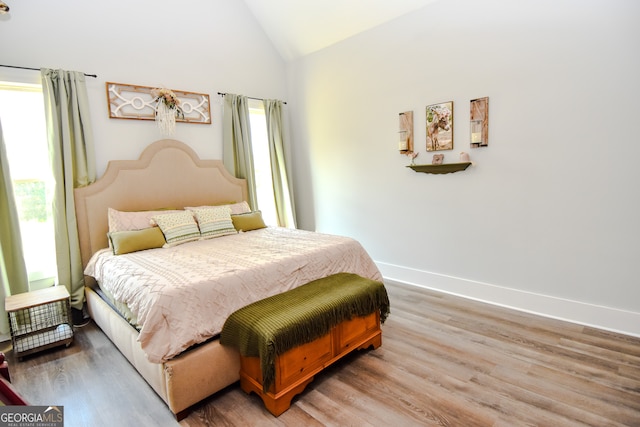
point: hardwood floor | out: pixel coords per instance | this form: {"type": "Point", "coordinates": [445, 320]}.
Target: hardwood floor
{"type": "Point", "coordinates": [444, 361]}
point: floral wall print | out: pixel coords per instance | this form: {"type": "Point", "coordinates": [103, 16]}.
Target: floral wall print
{"type": "Point", "coordinates": [479, 122]}
{"type": "Point", "coordinates": [440, 126]}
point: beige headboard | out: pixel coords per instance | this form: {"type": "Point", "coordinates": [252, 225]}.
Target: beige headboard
{"type": "Point", "coordinates": [168, 174]}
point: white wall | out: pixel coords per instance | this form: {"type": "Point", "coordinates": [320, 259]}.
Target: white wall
{"type": "Point", "coordinates": [204, 47]}
{"type": "Point", "coordinates": [546, 220]}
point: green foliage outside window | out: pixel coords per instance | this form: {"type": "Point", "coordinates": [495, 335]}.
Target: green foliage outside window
{"type": "Point", "coordinates": [32, 200]}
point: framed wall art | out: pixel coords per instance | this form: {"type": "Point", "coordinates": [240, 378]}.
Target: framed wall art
{"type": "Point", "coordinates": [440, 126]}
{"type": "Point", "coordinates": [479, 122]}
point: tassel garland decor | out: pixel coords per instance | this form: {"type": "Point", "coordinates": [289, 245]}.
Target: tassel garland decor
{"type": "Point", "coordinates": [166, 119]}
{"type": "Point", "coordinates": [167, 110]}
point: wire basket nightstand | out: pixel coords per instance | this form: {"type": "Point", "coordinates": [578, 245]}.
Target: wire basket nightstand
{"type": "Point", "coordinates": [39, 320]}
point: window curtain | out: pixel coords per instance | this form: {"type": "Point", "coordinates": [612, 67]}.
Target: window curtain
{"type": "Point", "coordinates": [237, 153]}
{"type": "Point", "coordinates": [13, 272]}
{"type": "Point", "coordinates": [281, 186]}
{"type": "Point", "coordinates": [72, 156]}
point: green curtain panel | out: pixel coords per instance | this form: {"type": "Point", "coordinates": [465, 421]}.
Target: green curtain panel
{"type": "Point", "coordinates": [13, 272]}
{"type": "Point", "coordinates": [237, 153]}
{"type": "Point", "coordinates": [71, 150]}
{"type": "Point", "coordinates": [281, 184]}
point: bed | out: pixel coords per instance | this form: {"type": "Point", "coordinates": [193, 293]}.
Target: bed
{"type": "Point", "coordinates": [249, 265]}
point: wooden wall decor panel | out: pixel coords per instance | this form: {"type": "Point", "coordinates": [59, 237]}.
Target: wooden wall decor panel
{"type": "Point", "coordinates": [137, 103]}
{"type": "Point", "coordinates": [405, 144]}
{"type": "Point", "coordinates": [479, 122]}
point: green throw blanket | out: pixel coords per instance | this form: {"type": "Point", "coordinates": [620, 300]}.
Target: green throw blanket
{"type": "Point", "coordinates": [270, 327]}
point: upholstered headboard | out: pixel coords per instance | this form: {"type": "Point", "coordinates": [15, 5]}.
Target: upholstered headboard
{"type": "Point", "coordinates": [168, 174]}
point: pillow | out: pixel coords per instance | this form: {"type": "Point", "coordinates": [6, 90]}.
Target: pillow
{"type": "Point", "coordinates": [239, 208]}
{"type": "Point", "coordinates": [236, 208]}
{"type": "Point", "coordinates": [124, 242]}
{"type": "Point", "coordinates": [248, 221]}
{"type": "Point", "coordinates": [214, 221]}
{"type": "Point", "coordinates": [178, 227]}
{"type": "Point", "coordinates": [124, 221]}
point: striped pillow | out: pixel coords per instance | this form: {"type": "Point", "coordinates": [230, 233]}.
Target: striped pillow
{"type": "Point", "coordinates": [179, 227]}
{"type": "Point", "coordinates": [214, 221]}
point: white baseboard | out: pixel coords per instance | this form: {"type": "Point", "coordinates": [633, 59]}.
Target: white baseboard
{"type": "Point", "coordinates": [607, 318]}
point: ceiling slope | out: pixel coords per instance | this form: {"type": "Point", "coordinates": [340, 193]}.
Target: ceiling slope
{"type": "Point", "coordinates": [300, 27]}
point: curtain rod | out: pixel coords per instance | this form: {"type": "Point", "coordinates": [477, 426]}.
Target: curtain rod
{"type": "Point", "coordinates": [250, 97]}
{"type": "Point", "coordinates": [37, 69]}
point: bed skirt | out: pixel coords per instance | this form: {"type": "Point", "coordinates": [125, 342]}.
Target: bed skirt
{"type": "Point", "coordinates": [182, 381]}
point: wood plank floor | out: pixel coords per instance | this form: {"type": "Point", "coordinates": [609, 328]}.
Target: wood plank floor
{"type": "Point", "coordinates": [444, 361]}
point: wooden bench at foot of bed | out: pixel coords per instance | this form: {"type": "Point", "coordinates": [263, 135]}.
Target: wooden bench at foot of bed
{"type": "Point", "coordinates": [297, 367]}
{"type": "Point", "coordinates": [286, 339]}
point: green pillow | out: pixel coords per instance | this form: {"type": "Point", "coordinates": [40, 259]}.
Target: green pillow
{"type": "Point", "coordinates": [124, 242]}
{"type": "Point", "coordinates": [248, 221]}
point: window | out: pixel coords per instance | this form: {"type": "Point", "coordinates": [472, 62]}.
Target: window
{"type": "Point", "coordinates": [25, 138]}
{"type": "Point", "coordinates": [262, 162]}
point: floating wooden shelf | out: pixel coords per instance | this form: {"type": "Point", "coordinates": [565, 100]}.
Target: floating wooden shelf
{"type": "Point", "coordinates": [444, 168]}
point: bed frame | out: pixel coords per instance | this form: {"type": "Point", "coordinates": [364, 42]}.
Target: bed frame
{"type": "Point", "coordinates": [168, 174]}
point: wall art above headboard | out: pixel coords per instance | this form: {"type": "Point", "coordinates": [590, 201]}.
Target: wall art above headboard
{"type": "Point", "coordinates": [138, 103]}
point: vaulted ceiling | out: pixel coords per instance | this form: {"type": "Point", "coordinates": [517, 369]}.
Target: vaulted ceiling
{"type": "Point", "coordinates": [300, 27]}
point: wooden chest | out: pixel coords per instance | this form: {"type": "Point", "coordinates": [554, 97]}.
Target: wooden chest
{"type": "Point", "coordinates": [297, 367]}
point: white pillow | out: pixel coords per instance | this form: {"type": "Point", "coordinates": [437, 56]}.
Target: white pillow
{"type": "Point", "coordinates": [129, 221]}
{"type": "Point", "coordinates": [236, 208]}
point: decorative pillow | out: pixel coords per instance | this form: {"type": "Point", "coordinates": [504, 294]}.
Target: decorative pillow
{"type": "Point", "coordinates": [214, 221]}
{"type": "Point", "coordinates": [236, 208]}
{"type": "Point", "coordinates": [124, 242]}
{"type": "Point", "coordinates": [178, 227]}
{"type": "Point", "coordinates": [239, 208]}
{"type": "Point", "coordinates": [248, 221]}
{"type": "Point", "coordinates": [125, 221]}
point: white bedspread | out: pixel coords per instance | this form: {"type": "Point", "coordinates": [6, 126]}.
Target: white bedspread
{"type": "Point", "coordinates": [183, 295]}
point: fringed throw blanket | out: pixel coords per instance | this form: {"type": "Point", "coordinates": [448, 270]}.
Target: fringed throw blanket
{"type": "Point", "coordinates": [270, 327]}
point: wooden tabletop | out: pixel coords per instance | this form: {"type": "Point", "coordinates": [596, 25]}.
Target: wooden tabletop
{"type": "Point", "coordinates": [35, 298]}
